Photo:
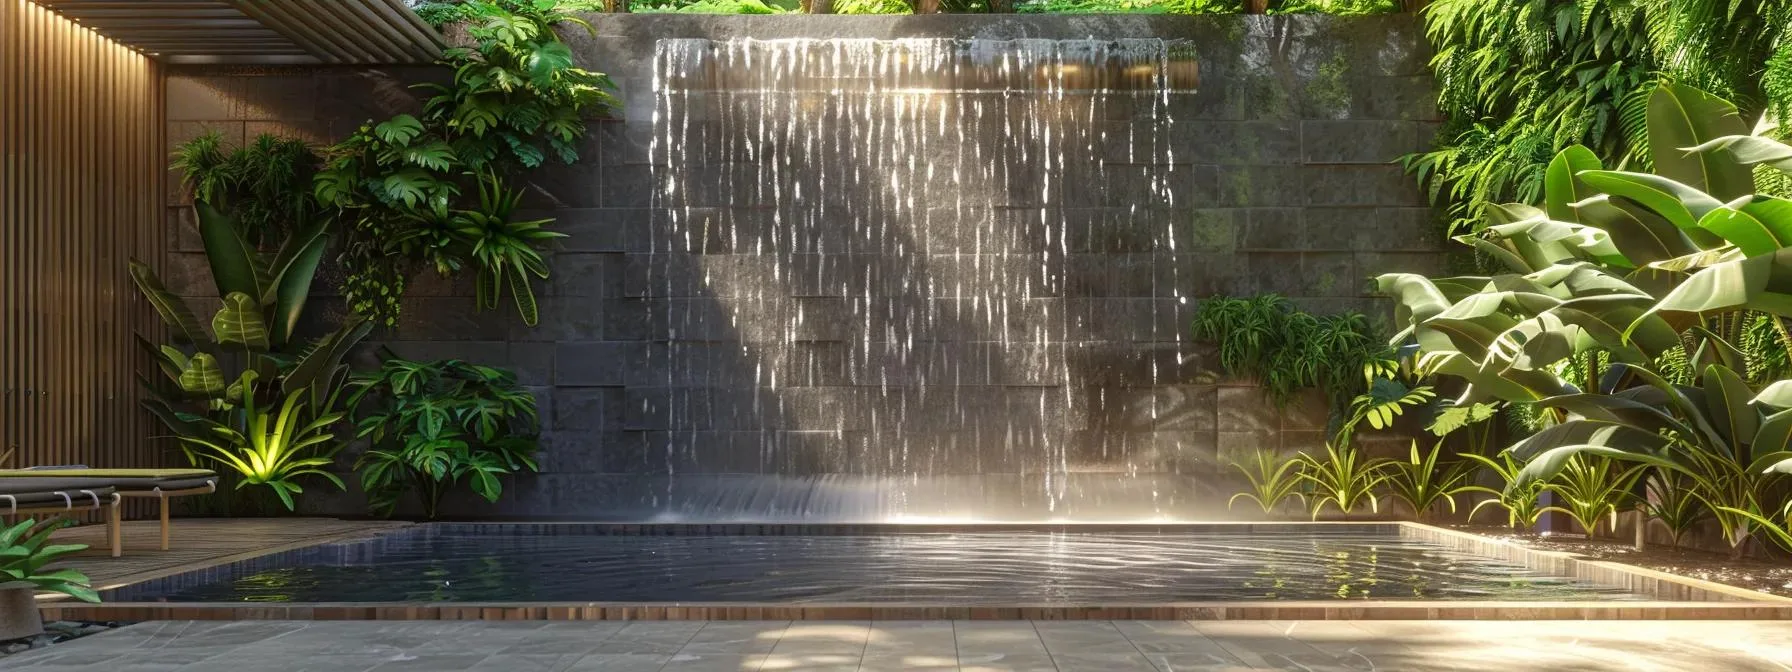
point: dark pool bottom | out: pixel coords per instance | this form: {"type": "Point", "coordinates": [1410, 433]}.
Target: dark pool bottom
{"type": "Point", "coordinates": [498, 563]}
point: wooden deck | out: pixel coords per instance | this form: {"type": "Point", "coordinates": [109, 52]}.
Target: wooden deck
{"type": "Point", "coordinates": [201, 542]}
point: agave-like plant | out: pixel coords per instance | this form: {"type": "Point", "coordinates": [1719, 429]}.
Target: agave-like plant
{"type": "Point", "coordinates": [504, 248]}
{"type": "Point", "coordinates": [1273, 477]}
{"type": "Point", "coordinates": [1423, 484]}
{"type": "Point", "coordinates": [274, 446]}
{"type": "Point", "coordinates": [1592, 489]}
{"type": "Point", "coordinates": [1519, 497]}
{"type": "Point", "coordinates": [1344, 477]}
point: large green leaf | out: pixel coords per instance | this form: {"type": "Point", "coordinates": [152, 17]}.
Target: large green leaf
{"type": "Point", "coordinates": [1727, 398]}
{"type": "Point", "coordinates": [317, 370]}
{"type": "Point", "coordinates": [202, 376]}
{"type": "Point", "coordinates": [1561, 186]}
{"type": "Point", "coordinates": [1682, 118]}
{"type": "Point", "coordinates": [293, 270]}
{"type": "Point", "coordinates": [1546, 465]}
{"type": "Point", "coordinates": [1774, 435]}
{"type": "Point", "coordinates": [1642, 236]}
{"type": "Point", "coordinates": [183, 325]}
{"type": "Point", "coordinates": [1776, 395]}
{"type": "Point", "coordinates": [1681, 204]}
{"type": "Point", "coordinates": [236, 266]}
{"type": "Point", "coordinates": [1548, 241]}
{"type": "Point", "coordinates": [239, 323]}
{"type": "Point", "coordinates": [1752, 149]}
{"type": "Point", "coordinates": [1762, 283]}
{"type": "Point", "coordinates": [399, 130]}
{"type": "Point", "coordinates": [1754, 224]}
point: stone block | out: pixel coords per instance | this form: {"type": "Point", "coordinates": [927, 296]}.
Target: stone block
{"type": "Point", "coordinates": [596, 364]}
{"type": "Point", "coordinates": [601, 229]}
{"type": "Point", "coordinates": [1274, 229]}
{"type": "Point", "coordinates": [1360, 186]}
{"type": "Point", "coordinates": [1376, 142]}
{"type": "Point", "coordinates": [1331, 274]}
{"type": "Point", "coordinates": [588, 409]}
{"type": "Point", "coordinates": [1245, 409]}
{"type": "Point", "coordinates": [586, 275]}
{"type": "Point", "coordinates": [1260, 186]}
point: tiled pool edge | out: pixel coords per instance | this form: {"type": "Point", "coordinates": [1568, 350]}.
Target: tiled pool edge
{"type": "Point", "coordinates": [1659, 585]}
{"type": "Point", "coordinates": [1678, 598]}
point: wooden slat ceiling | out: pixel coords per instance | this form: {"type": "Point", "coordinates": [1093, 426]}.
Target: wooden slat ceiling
{"type": "Point", "coordinates": [261, 31]}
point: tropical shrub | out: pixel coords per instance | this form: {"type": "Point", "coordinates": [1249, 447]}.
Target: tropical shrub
{"type": "Point", "coordinates": [1614, 274]}
{"type": "Point", "coordinates": [26, 552]}
{"type": "Point", "coordinates": [1423, 481]}
{"type": "Point", "coordinates": [264, 186]}
{"type": "Point", "coordinates": [1668, 500]}
{"type": "Point", "coordinates": [1518, 496]}
{"type": "Point", "coordinates": [271, 446]}
{"type": "Point", "coordinates": [1274, 478]}
{"type": "Point", "coordinates": [516, 100]}
{"type": "Point", "coordinates": [1593, 488]}
{"type": "Point", "coordinates": [434, 424]}
{"type": "Point", "coordinates": [1521, 80]}
{"type": "Point", "coordinates": [1344, 478]}
{"type": "Point", "coordinates": [1287, 349]}
{"type": "Point", "coordinates": [221, 380]}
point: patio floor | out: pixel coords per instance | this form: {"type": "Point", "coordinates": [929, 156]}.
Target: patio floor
{"type": "Point", "coordinates": [199, 543]}
{"type": "Point", "coordinates": [1070, 646]}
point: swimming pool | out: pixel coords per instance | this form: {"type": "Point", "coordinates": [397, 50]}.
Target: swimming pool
{"type": "Point", "coordinates": [448, 563]}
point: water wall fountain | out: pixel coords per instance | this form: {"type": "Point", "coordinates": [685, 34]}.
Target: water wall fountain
{"type": "Point", "coordinates": [908, 268]}
{"type": "Point", "coordinates": [879, 234]}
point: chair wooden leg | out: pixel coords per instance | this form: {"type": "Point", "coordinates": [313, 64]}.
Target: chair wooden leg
{"type": "Point", "coordinates": [116, 523]}
{"type": "Point", "coordinates": [164, 523]}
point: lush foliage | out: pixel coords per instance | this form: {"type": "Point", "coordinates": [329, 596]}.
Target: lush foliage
{"type": "Point", "coordinates": [223, 381]}
{"type": "Point", "coordinates": [1518, 496]}
{"type": "Point", "coordinates": [26, 552]}
{"type": "Point", "coordinates": [1614, 274]}
{"type": "Point", "coordinates": [715, 7]}
{"type": "Point", "coordinates": [265, 186]}
{"type": "Point", "coordinates": [516, 100]}
{"type": "Point", "coordinates": [1274, 478]}
{"type": "Point", "coordinates": [1592, 489]}
{"type": "Point", "coordinates": [435, 424]}
{"type": "Point", "coordinates": [1344, 478]}
{"type": "Point", "coordinates": [272, 446]}
{"type": "Point", "coordinates": [1522, 80]}
{"type": "Point", "coordinates": [1286, 349]}
{"type": "Point", "coordinates": [1425, 480]}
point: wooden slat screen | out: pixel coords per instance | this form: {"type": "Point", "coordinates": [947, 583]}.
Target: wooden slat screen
{"type": "Point", "coordinates": [83, 173]}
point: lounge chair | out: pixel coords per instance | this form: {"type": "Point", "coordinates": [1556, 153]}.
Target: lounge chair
{"type": "Point", "coordinates": [62, 497]}
{"type": "Point", "coordinates": [162, 484]}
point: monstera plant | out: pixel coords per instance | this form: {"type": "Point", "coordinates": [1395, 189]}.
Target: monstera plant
{"type": "Point", "coordinates": [1614, 273]}
{"type": "Point", "coordinates": [228, 379]}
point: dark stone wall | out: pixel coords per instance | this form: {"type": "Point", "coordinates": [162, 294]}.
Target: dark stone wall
{"type": "Point", "coordinates": [1286, 178]}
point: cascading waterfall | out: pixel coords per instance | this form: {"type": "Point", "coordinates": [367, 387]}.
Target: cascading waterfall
{"type": "Point", "coordinates": [863, 269]}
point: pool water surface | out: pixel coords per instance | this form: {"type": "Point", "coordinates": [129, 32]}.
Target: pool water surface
{"type": "Point", "coordinates": [428, 564]}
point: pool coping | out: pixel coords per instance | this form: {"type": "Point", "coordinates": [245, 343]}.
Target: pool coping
{"type": "Point", "coordinates": [1674, 597]}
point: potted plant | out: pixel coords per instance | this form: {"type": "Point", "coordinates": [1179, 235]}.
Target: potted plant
{"type": "Point", "coordinates": [24, 552]}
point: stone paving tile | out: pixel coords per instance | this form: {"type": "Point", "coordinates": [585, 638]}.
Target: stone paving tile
{"type": "Point", "coordinates": [1000, 662]}
{"type": "Point", "coordinates": [976, 646]}
{"type": "Point", "coordinates": [720, 662]}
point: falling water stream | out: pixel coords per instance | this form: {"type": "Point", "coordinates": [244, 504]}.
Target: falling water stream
{"type": "Point", "coordinates": [863, 270]}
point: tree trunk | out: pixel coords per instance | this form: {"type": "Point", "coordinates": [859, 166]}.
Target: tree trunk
{"type": "Point", "coordinates": [1413, 5]}
{"type": "Point", "coordinates": [1256, 6]}
{"type": "Point", "coordinates": [1001, 6]}
{"type": "Point", "coordinates": [927, 6]}
{"type": "Point", "coordinates": [818, 6]}
{"type": "Point", "coordinates": [616, 6]}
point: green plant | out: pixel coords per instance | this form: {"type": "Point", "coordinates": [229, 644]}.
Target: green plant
{"type": "Point", "coordinates": [1668, 500]}
{"type": "Point", "coordinates": [1344, 478]}
{"type": "Point", "coordinates": [1520, 80]}
{"type": "Point", "coordinates": [272, 446]}
{"type": "Point", "coordinates": [264, 186]}
{"type": "Point", "coordinates": [25, 552]}
{"type": "Point", "coordinates": [433, 424]}
{"type": "Point", "coordinates": [503, 249]}
{"type": "Point", "coordinates": [1519, 497]}
{"type": "Point", "coordinates": [250, 345]}
{"type": "Point", "coordinates": [715, 7]}
{"type": "Point", "coordinates": [1286, 349]}
{"type": "Point", "coordinates": [516, 99]}
{"type": "Point", "coordinates": [1273, 479]}
{"type": "Point", "coordinates": [1385, 400]}
{"type": "Point", "coordinates": [1423, 483]}
{"type": "Point", "coordinates": [1592, 488]}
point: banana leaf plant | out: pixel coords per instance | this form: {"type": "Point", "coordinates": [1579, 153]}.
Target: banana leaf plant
{"type": "Point", "coordinates": [1728, 440]}
{"type": "Point", "coordinates": [1616, 266]}
{"type": "Point", "coordinates": [248, 357]}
